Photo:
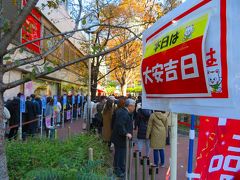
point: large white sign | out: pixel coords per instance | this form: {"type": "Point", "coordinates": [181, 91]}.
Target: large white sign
{"type": "Point", "coordinates": [197, 72]}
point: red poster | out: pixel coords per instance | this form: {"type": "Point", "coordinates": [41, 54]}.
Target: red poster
{"type": "Point", "coordinates": [218, 153]}
{"type": "Point", "coordinates": [32, 30]}
{"type": "Point", "coordinates": [173, 64]}
{"type": "Point", "coordinates": [176, 73]}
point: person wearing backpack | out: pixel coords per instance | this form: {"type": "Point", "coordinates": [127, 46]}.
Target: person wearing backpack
{"type": "Point", "coordinates": [141, 123]}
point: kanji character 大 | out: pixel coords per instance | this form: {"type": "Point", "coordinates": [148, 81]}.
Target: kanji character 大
{"type": "Point", "coordinates": [147, 77]}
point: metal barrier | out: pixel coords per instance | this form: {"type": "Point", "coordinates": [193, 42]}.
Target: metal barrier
{"type": "Point", "coordinates": [129, 156]}
{"type": "Point", "coordinates": [52, 132]}
{"type": "Point", "coordinates": [144, 162]}
{"type": "Point", "coordinates": [17, 125]}
{"type": "Point", "coordinates": [153, 171]}
{"type": "Point", "coordinates": [136, 155]}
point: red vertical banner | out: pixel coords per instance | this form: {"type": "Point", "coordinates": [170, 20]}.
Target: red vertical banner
{"type": "Point", "coordinates": [218, 153]}
{"type": "Point", "coordinates": [31, 30]}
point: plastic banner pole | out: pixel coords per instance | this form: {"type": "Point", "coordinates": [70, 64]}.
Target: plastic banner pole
{"type": "Point", "coordinates": [41, 125]}
{"type": "Point", "coordinates": [191, 146]}
{"type": "Point", "coordinates": [77, 112]}
{"type": "Point", "coordinates": [20, 127]}
{"type": "Point", "coordinates": [63, 118]}
{"type": "Point", "coordinates": [72, 114]}
{"type": "Point", "coordinates": [44, 104]}
{"type": "Point", "coordinates": [64, 107]}
{"type": "Point", "coordinates": [54, 110]}
{"type": "Point", "coordinates": [22, 109]}
{"type": "Point", "coordinates": [173, 161]}
{"type": "Point", "coordinates": [82, 107]}
{"type": "Point", "coordinates": [73, 102]}
{"type": "Point", "coordinates": [78, 108]}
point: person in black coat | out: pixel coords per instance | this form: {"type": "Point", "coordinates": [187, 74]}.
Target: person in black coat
{"type": "Point", "coordinates": [123, 128]}
{"type": "Point", "coordinates": [14, 109]}
{"type": "Point", "coordinates": [31, 113]}
{"type": "Point", "coordinates": [141, 123]}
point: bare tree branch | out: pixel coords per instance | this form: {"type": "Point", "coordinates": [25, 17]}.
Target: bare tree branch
{"type": "Point", "coordinates": [25, 61]}
{"type": "Point", "coordinates": [107, 73]}
{"type": "Point", "coordinates": [69, 32]}
{"type": "Point", "coordinates": [22, 62]}
{"type": "Point", "coordinates": [21, 81]}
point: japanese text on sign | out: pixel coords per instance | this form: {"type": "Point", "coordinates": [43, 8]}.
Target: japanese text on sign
{"type": "Point", "coordinates": [188, 64]}
{"type": "Point", "coordinates": [175, 58]}
{"type": "Point", "coordinates": [166, 41]}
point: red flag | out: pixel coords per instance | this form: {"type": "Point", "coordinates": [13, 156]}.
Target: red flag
{"type": "Point", "coordinates": [218, 154]}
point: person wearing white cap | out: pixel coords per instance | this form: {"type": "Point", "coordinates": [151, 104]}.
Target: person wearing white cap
{"type": "Point", "coordinates": [123, 128]}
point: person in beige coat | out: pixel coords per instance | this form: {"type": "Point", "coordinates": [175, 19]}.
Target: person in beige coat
{"type": "Point", "coordinates": [107, 121]}
{"type": "Point", "coordinates": [156, 132]}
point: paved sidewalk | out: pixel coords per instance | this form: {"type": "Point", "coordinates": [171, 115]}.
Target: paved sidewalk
{"type": "Point", "coordinates": [181, 162]}
{"type": "Point", "coordinates": [73, 128]}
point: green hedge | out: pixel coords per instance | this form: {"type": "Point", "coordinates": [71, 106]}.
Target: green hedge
{"type": "Point", "coordinates": [45, 159]}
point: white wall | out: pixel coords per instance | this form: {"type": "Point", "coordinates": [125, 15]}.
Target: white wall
{"type": "Point", "coordinates": [62, 20]}
{"type": "Point", "coordinates": [10, 77]}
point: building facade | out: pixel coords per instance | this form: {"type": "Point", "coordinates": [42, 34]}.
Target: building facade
{"type": "Point", "coordinates": [40, 23]}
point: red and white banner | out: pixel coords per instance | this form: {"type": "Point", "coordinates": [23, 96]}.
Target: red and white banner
{"type": "Point", "coordinates": [169, 74]}
{"type": "Point", "coordinates": [190, 63]}
{"type": "Point", "coordinates": [218, 153]}
{"type": "Point", "coordinates": [31, 30]}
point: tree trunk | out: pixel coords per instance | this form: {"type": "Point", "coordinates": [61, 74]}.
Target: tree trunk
{"type": "Point", "coordinates": [124, 89]}
{"type": "Point", "coordinates": [94, 80]}
{"type": "Point", "coordinates": [3, 159]}
{"type": "Point", "coordinates": [94, 90]}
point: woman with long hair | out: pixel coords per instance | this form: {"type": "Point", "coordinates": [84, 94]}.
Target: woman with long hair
{"type": "Point", "coordinates": [107, 121]}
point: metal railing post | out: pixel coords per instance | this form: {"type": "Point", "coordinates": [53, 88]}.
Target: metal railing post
{"type": "Point", "coordinates": [127, 159]}
{"type": "Point", "coordinates": [130, 158]}
{"type": "Point", "coordinates": [153, 171]}
{"type": "Point", "coordinates": [136, 156]}
{"type": "Point", "coordinates": [144, 162]}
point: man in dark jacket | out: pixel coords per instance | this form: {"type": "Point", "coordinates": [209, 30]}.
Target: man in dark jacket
{"type": "Point", "coordinates": [31, 112]}
{"type": "Point", "coordinates": [122, 129]}
{"type": "Point", "coordinates": [14, 109]}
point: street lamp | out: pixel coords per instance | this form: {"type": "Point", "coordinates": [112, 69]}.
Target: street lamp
{"type": "Point", "coordinates": [91, 23]}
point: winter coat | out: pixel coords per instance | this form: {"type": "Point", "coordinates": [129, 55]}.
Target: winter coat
{"type": "Point", "coordinates": [37, 109]}
{"type": "Point", "coordinates": [141, 122]}
{"type": "Point", "coordinates": [157, 130]}
{"type": "Point", "coordinates": [107, 122]}
{"type": "Point", "coordinates": [122, 125]}
{"type": "Point", "coordinates": [49, 110]}
{"type": "Point", "coordinates": [93, 111]}
{"type": "Point", "coordinates": [6, 117]}
{"type": "Point", "coordinates": [14, 109]}
{"type": "Point", "coordinates": [30, 111]}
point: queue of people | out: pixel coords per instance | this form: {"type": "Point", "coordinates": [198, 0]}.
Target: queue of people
{"type": "Point", "coordinates": [31, 117]}
{"type": "Point", "coordinates": [114, 118]}
{"type": "Point", "coordinates": [117, 118]}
